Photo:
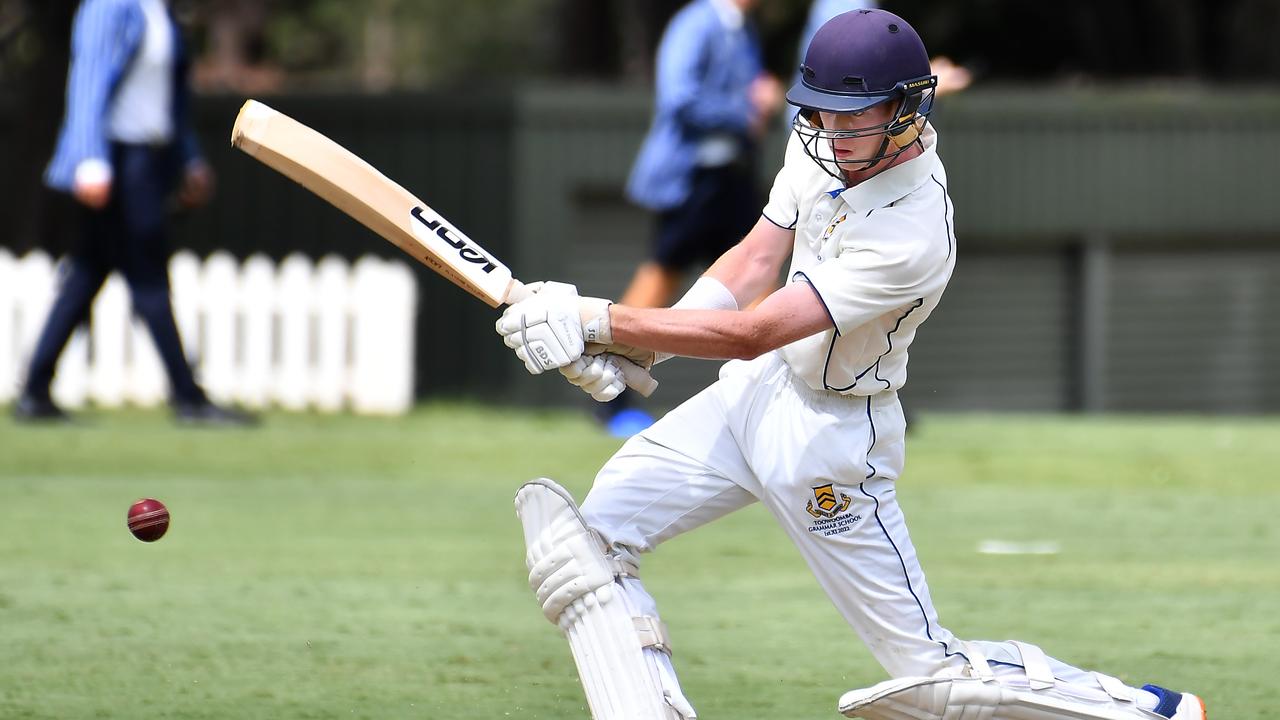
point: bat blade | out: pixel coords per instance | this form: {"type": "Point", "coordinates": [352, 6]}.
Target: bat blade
{"type": "Point", "coordinates": [358, 189]}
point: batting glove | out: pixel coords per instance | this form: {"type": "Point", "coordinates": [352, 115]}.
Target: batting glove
{"type": "Point", "coordinates": [549, 330]}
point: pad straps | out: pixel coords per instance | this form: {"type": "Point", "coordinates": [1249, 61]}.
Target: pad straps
{"type": "Point", "coordinates": [1114, 687]}
{"type": "Point", "coordinates": [1036, 666]}
{"type": "Point", "coordinates": [653, 633]}
{"type": "Point", "coordinates": [978, 662]}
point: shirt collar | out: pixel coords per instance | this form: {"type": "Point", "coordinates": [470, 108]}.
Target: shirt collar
{"type": "Point", "coordinates": [730, 14]}
{"type": "Point", "coordinates": [898, 181]}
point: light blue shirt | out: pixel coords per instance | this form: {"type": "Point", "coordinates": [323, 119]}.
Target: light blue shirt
{"type": "Point", "coordinates": [142, 109]}
{"type": "Point", "coordinates": [105, 38]}
{"type": "Point", "coordinates": [819, 13]}
{"type": "Point", "coordinates": [704, 70]}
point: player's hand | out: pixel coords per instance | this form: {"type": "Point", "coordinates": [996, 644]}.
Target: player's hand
{"type": "Point", "coordinates": [605, 376]}
{"type": "Point", "coordinates": [544, 330]}
{"type": "Point", "coordinates": [599, 376]}
{"type": "Point", "coordinates": [550, 329]}
{"type": "Point", "coordinates": [593, 312]}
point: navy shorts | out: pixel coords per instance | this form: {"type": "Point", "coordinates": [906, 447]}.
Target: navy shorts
{"type": "Point", "coordinates": [721, 208]}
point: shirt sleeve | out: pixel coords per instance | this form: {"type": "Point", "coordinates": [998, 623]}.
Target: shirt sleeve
{"type": "Point", "coordinates": [100, 50]}
{"type": "Point", "coordinates": [881, 267]}
{"type": "Point", "coordinates": [680, 85]}
{"type": "Point", "coordinates": [783, 208]}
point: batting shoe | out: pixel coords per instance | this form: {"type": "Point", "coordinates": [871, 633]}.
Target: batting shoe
{"type": "Point", "coordinates": [1176, 705]}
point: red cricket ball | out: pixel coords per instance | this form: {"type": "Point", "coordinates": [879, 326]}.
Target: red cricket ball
{"type": "Point", "coordinates": [148, 519]}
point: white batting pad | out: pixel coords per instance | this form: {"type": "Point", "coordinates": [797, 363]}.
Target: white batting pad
{"type": "Point", "coordinates": [625, 677]}
{"type": "Point", "coordinates": [971, 698]}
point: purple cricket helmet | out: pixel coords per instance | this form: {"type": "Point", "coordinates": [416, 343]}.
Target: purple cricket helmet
{"type": "Point", "coordinates": [855, 61]}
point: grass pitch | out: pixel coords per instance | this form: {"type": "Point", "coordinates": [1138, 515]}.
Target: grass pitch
{"type": "Point", "coordinates": [338, 567]}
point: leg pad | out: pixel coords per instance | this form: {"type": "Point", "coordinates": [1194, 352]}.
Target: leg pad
{"type": "Point", "coordinates": [621, 656]}
{"type": "Point", "coordinates": [979, 695]}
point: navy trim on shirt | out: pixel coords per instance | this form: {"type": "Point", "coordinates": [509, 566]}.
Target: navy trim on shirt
{"type": "Point", "coordinates": [799, 275]}
{"type": "Point", "coordinates": [792, 226]}
{"type": "Point", "coordinates": [946, 207]}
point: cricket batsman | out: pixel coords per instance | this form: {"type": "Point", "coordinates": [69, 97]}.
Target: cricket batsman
{"type": "Point", "coordinates": [804, 418]}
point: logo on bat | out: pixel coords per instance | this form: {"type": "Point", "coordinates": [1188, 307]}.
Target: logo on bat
{"type": "Point", "coordinates": [465, 250]}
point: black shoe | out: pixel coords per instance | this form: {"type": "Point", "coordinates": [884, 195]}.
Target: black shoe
{"type": "Point", "coordinates": [206, 413]}
{"type": "Point", "coordinates": [31, 409]}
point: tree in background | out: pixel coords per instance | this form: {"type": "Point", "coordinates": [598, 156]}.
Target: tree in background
{"type": "Point", "coordinates": [374, 46]}
{"type": "Point", "coordinates": [35, 46]}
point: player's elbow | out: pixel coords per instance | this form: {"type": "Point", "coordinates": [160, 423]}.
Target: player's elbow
{"type": "Point", "coordinates": [746, 349]}
{"type": "Point", "coordinates": [750, 340]}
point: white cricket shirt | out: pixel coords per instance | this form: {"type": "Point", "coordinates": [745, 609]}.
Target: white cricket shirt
{"type": "Point", "coordinates": [878, 255]}
{"type": "Point", "coordinates": [142, 108]}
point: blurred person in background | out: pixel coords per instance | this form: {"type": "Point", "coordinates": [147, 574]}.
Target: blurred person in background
{"type": "Point", "coordinates": [696, 168]}
{"type": "Point", "coordinates": [125, 146]}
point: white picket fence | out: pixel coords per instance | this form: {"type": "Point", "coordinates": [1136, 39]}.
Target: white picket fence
{"type": "Point", "coordinates": [303, 335]}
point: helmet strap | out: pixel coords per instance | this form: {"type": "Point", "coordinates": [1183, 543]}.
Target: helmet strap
{"type": "Point", "coordinates": [908, 134]}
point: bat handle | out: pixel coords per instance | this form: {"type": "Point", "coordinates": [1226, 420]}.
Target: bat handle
{"type": "Point", "coordinates": [636, 377]}
{"type": "Point", "coordinates": [516, 292]}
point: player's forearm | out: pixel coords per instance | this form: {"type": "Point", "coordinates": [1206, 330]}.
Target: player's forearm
{"type": "Point", "coordinates": [792, 313]}
{"type": "Point", "coordinates": [708, 334]}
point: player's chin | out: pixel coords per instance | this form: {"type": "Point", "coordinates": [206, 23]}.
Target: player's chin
{"type": "Point", "coordinates": [854, 162]}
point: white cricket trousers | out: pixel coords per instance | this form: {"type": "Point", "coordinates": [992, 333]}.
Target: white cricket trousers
{"type": "Point", "coordinates": [823, 464]}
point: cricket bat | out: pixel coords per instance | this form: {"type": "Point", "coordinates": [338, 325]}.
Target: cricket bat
{"type": "Point", "coordinates": [358, 189]}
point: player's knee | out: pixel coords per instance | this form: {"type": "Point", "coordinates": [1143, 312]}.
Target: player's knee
{"type": "Point", "coordinates": [567, 560]}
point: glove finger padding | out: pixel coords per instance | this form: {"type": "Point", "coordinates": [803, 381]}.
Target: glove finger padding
{"type": "Point", "coordinates": [574, 370]}
{"type": "Point", "coordinates": [608, 385]}
{"type": "Point", "coordinates": [599, 376]}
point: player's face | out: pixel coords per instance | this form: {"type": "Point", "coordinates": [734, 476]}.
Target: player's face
{"type": "Point", "coordinates": [848, 149]}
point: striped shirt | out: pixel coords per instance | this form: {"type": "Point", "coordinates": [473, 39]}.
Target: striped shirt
{"type": "Point", "coordinates": [106, 39]}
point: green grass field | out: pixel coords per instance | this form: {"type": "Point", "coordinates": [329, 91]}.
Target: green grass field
{"type": "Point", "coordinates": [339, 567]}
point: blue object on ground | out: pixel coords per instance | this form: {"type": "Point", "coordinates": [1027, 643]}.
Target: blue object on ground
{"type": "Point", "coordinates": [628, 422]}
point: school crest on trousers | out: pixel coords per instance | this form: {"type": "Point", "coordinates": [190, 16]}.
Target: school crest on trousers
{"type": "Point", "coordinates": [824, 503]}
{"type": "Point", "coordinates": [828, 509]}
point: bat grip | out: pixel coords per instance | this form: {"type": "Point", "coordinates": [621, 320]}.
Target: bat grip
{"type": "Point", "coordinates": [636, 377]}
{"type": "Point", "coordinates": [516, 292]}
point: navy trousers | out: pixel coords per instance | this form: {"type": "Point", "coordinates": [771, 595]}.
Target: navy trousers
{"type": "Point", "coordinates": [127, 235]}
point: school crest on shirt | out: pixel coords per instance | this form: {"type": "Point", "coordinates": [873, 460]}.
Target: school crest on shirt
{"type": "Point", "coordinates": [829, 509]}
{"type": "Point", "coordinates": [826, 234]}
